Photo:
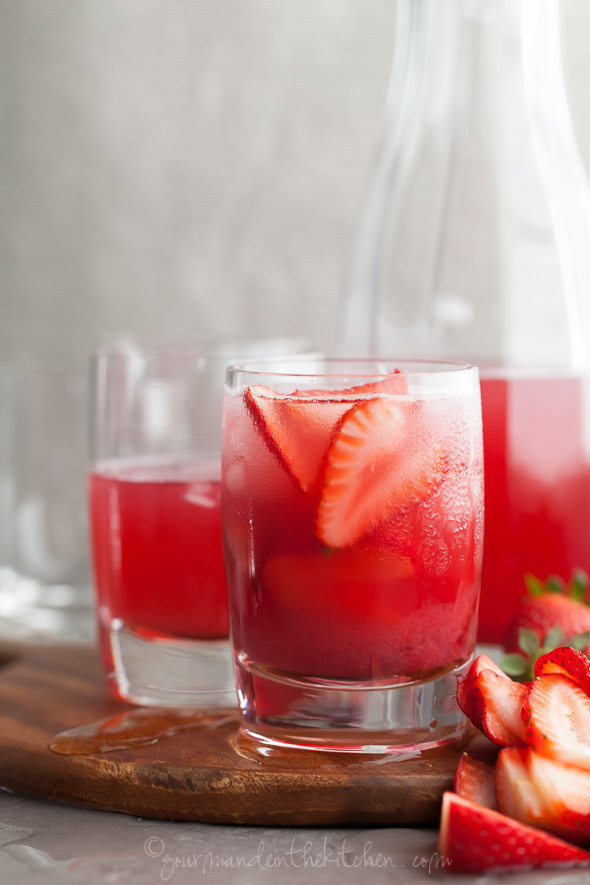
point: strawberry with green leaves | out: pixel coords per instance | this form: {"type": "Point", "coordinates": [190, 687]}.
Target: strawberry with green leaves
{"type": "Point", "coordinates": [520, 811]}
{"type": "Point", "coordinates": [553, 614]}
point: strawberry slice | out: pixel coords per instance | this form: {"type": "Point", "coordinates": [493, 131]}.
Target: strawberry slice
{"type": "Point", "coordinates": [369, 582]}
{"type": "Point", "coordinates": [373, 468]}
{"type": "Point", "coordinates": [517, 793]}
{"type": "Point", "coordinates": [501, 718]}
{"type": "Point", "coordinates": [556, 714]}
{"type": "Point", "coordinates": [566, 661]}
{"type": "Point", "coordinates": [297, 431]}
{"type": "Point", "coordinates": [394, 384]}
{"type": "Point", "coordinates": [474, 780]}
{"type": "Point", "coordinates": [474, 839]}
{"type": "Point", "coordinates": [469, 696]}
{"type": "Point", "coordinates": [565, 793]}
{"type": "Point", "coordinates": [539, 791]}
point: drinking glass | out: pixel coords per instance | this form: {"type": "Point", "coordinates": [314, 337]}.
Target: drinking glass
{"type": "Point", "coordinates": [45, 583]}
{"type": "Point", "coordinates": [352, 521]}
{"type": "Point", "coordinates": [154, 503]}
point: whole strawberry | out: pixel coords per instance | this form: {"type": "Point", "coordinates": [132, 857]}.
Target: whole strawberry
{"type": "Point", "coordinates": [553, 614]}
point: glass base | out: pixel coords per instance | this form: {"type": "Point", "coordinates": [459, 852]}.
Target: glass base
{"type": "Point", "coordinates": [406, 717]}
{"type": "Point", "coordinates": [32, 611]}
{"type": "Point", "coordinates": [167, 672]}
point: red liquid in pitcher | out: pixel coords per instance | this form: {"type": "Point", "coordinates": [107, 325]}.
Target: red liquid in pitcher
{"type": "Point", "coordinates": [537, 498]}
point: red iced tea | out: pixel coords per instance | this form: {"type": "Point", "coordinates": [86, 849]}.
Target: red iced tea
{"type": "Point", "coordinates": [156, 541]}
{"type": "Point", "coordinates": [352, 525]}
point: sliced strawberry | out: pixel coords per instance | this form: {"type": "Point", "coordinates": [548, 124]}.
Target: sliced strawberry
{"type": "Point", "coordinates": [516, 792]}
{"type": "Point", "coordinates": [373, 468]}
{"type": "Point", "coordinates": [474, 780]}
{"type": "Point", "coordinates": [394, 384]}
{"type": "Point", "coordinates": [539, 791]}
{"type": "Point", "coordinates": [474, 839]}
{"type": "Point", "coordinates": [297, 431]}
{"type": "Point", "coordinates": [501, 717]}
{"type": "Point", "coordinates": [469, 696]}
{"type": "Point", "coordinates": [566, 661]}
{"type": "Point", "coordinates": [556, 714]}
{"type": "Point", "coordinates": [565, 793]}
{"type": "Point", "coordinates": [369, 582]}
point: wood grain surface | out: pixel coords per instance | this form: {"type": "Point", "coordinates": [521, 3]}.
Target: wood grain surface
{"type": "Point", "coordinates": [196, 773]}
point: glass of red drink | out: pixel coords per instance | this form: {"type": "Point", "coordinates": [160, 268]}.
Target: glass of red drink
{"type": "Point", "coordinates": [154, 504]}
{"type": "Point", "coordinates": [352, 513]}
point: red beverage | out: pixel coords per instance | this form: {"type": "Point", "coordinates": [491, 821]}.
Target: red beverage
{"type": "Point", "coordinates": [352, 524]}
{"type": "Point", "coordinates": [156, 541]}
{"type": "Point", "coordinates": [537, 477]}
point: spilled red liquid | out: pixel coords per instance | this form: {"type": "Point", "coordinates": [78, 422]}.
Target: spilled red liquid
{"type": "Point", "coordinates": [134, 728]}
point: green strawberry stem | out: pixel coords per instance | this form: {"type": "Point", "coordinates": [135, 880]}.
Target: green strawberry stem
{"type": "Point", "coordinates": [521, 666]}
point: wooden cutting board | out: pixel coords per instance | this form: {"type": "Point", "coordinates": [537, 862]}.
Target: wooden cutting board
{"type": "Point", "coordinates": [199, 771]}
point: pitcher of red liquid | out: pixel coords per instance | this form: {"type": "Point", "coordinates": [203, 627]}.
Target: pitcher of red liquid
{"type": "Point", "coordinates": [472, 243]}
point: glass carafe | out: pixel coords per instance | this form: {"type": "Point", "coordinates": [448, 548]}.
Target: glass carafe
{"type": "Point", "coordinates": [472, 243]}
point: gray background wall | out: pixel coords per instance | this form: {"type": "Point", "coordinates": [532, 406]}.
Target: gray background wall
{"type": "Point", "coordinates": [191, 167]}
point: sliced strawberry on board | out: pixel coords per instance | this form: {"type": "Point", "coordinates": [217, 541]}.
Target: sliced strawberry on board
{"type": "Point", "coordinates": [566, 661]}
{"type": "Point", "coordinates": [501, 718]}
{"type": "Point", "coordinates": [474, 780]}
{"type": "Point", "coordinates": [474, 839]}
{"type": "Point", "coordinates": [373, 468]}
{"type": "Point", "coordinates": [297, 431]}
{"type": "Point", "coordinates": [469, 696]}
{"type": "Point", "coordinates": [556, 714]}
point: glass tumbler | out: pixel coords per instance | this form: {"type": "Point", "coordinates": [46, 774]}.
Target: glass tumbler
{"type": "Point", "coordinates": [154, 505]}
{"type": "Point", "coordinates": [352, 512]}
{"type": "Point", "coordinates": [45, 583]}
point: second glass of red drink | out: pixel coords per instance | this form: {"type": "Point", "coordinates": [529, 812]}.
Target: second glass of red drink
{"type": "Point", "coordinates": [154, 502]}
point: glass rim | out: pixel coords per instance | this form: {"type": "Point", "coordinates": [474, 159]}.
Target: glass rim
{"type": "Point", "coordinates": [274, 367]}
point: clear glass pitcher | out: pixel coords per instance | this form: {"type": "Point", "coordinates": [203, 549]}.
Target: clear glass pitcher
{"type": "Point", "coordinates": [471, 243]}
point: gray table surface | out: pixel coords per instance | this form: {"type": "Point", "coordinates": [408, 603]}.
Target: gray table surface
{"type": "Point", "coordinates": [43, 842]}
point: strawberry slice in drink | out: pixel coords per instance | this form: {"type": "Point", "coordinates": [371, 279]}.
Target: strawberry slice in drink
{"type": "Point", "coordinates": [297, 427]}
{"type": "Point", "coordinates": [364, 583]}
{"type": "Point", "coordinates": [394, 384]}
{"type": "Point", "coordinates": [296, 430]}
{"type": "Point", "coordinates": [340, 610]}
{"type": "Point", "coordinates": [374, 467]}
